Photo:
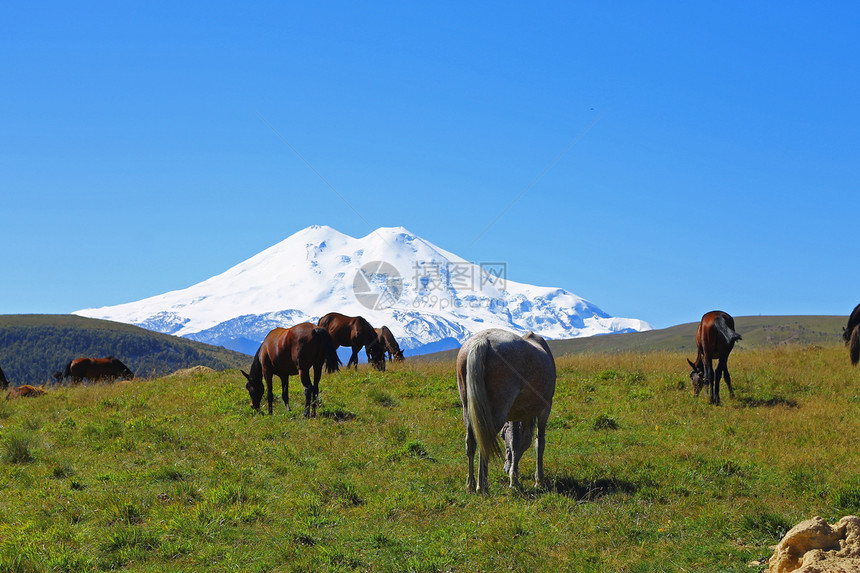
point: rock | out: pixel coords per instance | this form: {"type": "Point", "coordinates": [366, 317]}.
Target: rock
{"type": "Point", "coordinates": [814, 546]}
{"type": "Point", "coordinates": [193, 370]}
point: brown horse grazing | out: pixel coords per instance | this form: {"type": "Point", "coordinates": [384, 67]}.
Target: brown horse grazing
{"type": "Point", "coordinates": [505, 381]}
{"type": "Point", "coordinates": [389, 343]}
{"type": "Point", "coordinates": [289, 351]}
{"type": "Point", "coordinates": [851, 335]}
{"type": "Point", "coordinates": [25, 391]}
{"type": "Point", "coordinates": [3, 382]}
{"type": "Point", "coordinates": [97, 370]}
{"type": "Point", "coordinates": [715, 339]}
{"type": "Point", "coordinates": [355, 332]}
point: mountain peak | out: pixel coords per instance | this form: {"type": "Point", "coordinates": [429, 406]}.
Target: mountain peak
{"type": "Point", "coordinates": [391, 276]}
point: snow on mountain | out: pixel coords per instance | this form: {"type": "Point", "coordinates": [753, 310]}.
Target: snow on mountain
{"type": "Point", "coordinates": [428, 297]}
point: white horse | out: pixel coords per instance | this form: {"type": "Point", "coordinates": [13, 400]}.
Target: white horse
{"type": "Point", "coordinates": [503, 378]}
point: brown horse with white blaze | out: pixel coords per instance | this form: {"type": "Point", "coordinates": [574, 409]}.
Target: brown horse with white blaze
{"type": "Point", "coordinates": [715, 339]}
{"type": "Point", "coordinates": [286, 352]}
{"type": "Point", "coordinates": [97, 370]}
{"type": "Point", "coordinates": [389, 344]}
{"type": "Point", "coordinates": [355, 332]}
{"type": "Point", "coordinates": [851, 335]}
{"type": "Point", "coordinates": [506, 381]}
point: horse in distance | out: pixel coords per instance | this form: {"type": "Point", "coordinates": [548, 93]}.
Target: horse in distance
{"type": "Point", "coordinates": [287, 352]}
{"type": "Point", "coordinates": [355, 332]}
{"type": "Point", "coordinates": [851, 335]}
{"type": "Point", "coordinates": [97, 370]}
{"type": "Point", "coordinates": [389, 344]}
{"type": "Point", "coordinates": [504, 381]}
{"type": "Point", "coordinates": [715, 338]}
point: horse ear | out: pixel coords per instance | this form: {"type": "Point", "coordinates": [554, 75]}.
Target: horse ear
{"type": "Point", "coordinates": [693, 366]}
{"type": "Point", "coordinates": [245, 374]}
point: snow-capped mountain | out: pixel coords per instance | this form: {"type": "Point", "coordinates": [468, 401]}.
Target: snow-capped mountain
{"type": "Point", "coordinates": [430, 299]}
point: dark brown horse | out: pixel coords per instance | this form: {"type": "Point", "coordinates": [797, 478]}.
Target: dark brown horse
{"type": "Point", "coordinates": [355, 332]}
{"type": "Point", "coordinates": [715, 339]}
{"type": "Point", "coordinates": [25, 391]}
{"type": "Point", "coordinates": [851, 335]}
{"type": "Point", "coordinates": [3, 382]}
{"type": "Point", "coordinates": [97, 370]}
{"type": "Point", "coordinates": [506, 383]}
{"type": "Point", "coordinates": [389, 343]}
{"type": "Point", "coordinates": [289, 351]}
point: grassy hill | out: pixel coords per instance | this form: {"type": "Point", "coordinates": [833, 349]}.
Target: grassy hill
{"type": "Point", "coordinates": [757, 332]}
{"type": "Point", "coordinates": [34, 346]}
{"type": "Point", "coordinates": [179, 474]}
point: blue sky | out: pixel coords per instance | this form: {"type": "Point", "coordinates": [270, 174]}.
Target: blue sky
{"type": "Point", "coordinates": [665, 158]}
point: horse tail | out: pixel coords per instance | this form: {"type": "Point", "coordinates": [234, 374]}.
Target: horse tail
{"type": "Point", "coordinates": [67, 371]}
{"type": "Point", "coordinates": [853, 321]}
{"type": "Point", "coordinates": [4, 383]}
{"type": "Point", "coordinates": [726, 331]}
{"type": "Point", "coordinates": [854, 345]}
{"type": "Point", "coordinates": [477, 401]}
{"type": "Point", "coordinates": [332, 360]}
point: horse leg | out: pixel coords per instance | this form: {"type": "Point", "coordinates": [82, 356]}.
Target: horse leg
{"type": "Point", "coordinates": [354, 358]}
{"type": "Point", "coordinates": [718, 374]}
{"type": "Point", "coordinates": [305, 377]}
{"type": "Point", "coordinates": [285, 391]}
{"type": "Point", "coordinates": [269, 396]}
{"type": "Point", "coordinates": [713, 393]}
{"type": "Point", "coordinates": [471, 447]}
{"type": "Point", "coordinates": [508, 439]}
{"type": "Point", "coordinates": [512, 434]}
{"type": "Point", "coordinates": [540, 443]}
{"type": "Point", "coordinates": [725, 367]}
{"type": "Point", "coordinates": [316, 393]}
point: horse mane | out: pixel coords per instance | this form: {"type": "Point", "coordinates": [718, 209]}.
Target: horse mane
{"type": "Point", "coordinates": [256, 373]}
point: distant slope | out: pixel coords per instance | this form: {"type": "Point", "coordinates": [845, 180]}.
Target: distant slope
{"type": "Point", "coordinates": [757, 331]}
{"type": "Point", "coordinates": [33, 346]}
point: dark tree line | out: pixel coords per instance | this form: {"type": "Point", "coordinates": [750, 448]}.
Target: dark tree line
{"type": "Point", "coordinates": [31, 354]}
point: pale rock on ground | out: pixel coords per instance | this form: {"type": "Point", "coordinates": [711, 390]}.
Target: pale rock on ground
{"type": "Point", "coordinates": [814, 546]}
{"type": "Point", "coordinates": [193, 370]}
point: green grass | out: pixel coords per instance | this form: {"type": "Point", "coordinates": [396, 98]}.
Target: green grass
{"type": "Point", "coordinates": [180, 474]}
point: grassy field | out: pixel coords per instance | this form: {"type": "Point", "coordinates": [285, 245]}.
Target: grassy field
{"type": "Point", "coordinates": [179, 474]}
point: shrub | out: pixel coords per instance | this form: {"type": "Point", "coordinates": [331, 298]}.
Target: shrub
{"type": "Point", "coordinates": [18, 447]}
{"type": "Point", "coordinates": [605, 422]}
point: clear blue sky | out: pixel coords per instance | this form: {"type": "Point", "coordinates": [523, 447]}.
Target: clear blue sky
{"type": "Point", "coordinates": [669, 158]}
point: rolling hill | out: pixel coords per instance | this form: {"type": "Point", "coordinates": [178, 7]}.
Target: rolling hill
{"type": "Point", "coordinates": [757, 332]}
{"type": "Point", "coordinates": [33, 346]}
